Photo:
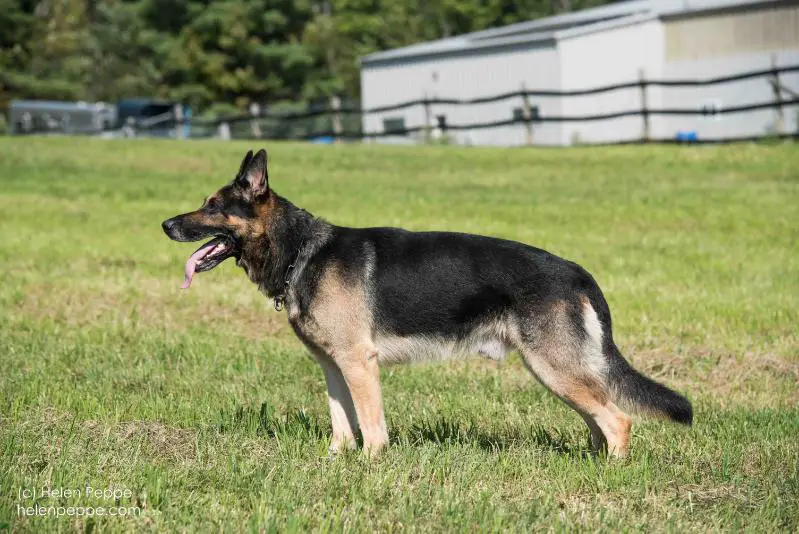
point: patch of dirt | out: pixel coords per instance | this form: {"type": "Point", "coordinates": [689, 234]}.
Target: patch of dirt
{"type": "Point", "coordinates": [711, 495]}
{"type": "Point", "coordinates": [150, 303]}
{"type": "Point", "coordinates": [154, 440]}
{"type": "Point", "coordinates": [758, 378]}
{"type": "Point", "coordinates": [661, 501]}
{"type": "Point", "coordinates": [158, 440]}
{"type": "Point", "coordinates": [754, 379]}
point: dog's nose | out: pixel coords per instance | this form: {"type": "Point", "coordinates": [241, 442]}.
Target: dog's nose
{"type": "Point", "coordinates": [167, 226]}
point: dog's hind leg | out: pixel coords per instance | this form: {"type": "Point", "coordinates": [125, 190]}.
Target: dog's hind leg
{"type": "Point", "coordinates": [609, 426]}
{"type": "Point", "coordinates": [598, 441]}
{"type": "Point", "coordinates": [569, 363]}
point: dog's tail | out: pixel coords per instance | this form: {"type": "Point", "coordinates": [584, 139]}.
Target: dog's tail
{"type": "Point", "coordinates": [638, 393]}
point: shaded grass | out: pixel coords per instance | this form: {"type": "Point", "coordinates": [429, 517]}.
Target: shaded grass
{"type": "Point", "coordinates": [205, 406]}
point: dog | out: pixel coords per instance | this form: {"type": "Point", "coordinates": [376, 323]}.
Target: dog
{"type": "Point", "coordinates": [359, 298]}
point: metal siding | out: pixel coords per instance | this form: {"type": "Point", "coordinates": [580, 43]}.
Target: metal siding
{"type": "Point", "coordinates": [720, 44]}
{"type": "Point", "coordinates": [606, 58]}
{"type": "Point", "coordinates": [727, 34]}
{"type": "Point", "coordinates": [753, 123]}
{"type": "Point", "coordinates": [468, 76]}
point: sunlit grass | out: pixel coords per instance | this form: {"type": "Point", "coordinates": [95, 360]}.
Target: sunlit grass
{"type": "Point", "coordinates": [206, 407]}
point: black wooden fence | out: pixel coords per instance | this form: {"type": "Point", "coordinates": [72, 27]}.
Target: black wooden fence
{"type": "Point", "coordinates": [338, 121]}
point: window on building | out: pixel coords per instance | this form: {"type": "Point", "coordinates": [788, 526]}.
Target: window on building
{"type": "Point", "coordinates": [518, 114]}
{"type": "Point", "coordinates": [394, 125]}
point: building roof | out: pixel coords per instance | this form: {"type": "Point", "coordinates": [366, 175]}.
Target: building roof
{"type": "Point", "coordinates": [55, 105]}
{"type": "Point", "coordinates": [548, 30]}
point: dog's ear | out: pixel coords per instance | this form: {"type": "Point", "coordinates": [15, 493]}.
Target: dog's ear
{"type": "Point", "coordinates": [244, 163]}
{"type": "Point", "coordinates": [252, 176]}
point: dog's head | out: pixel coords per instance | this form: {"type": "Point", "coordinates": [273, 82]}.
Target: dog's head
{"type": "Point", "coordinates": [234, 217]}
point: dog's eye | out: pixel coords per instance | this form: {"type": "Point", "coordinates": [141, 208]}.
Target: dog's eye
{"type": "Point", "coordinates": [212, 206]}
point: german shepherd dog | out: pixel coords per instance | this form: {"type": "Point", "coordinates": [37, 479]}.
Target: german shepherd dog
{"type": "Point", "coordinates": [359, 298]}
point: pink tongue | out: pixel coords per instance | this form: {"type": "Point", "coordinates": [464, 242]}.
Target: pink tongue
{"type": "Point", "coordinates": [194, 259]}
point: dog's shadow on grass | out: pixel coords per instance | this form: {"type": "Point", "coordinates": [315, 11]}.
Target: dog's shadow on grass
{"type": "Point", "coordinates": [264, 422]}
{"type": "Point", "coordinates": [450, 431]}
{"type": "Point", "coordinates": [445, 431]}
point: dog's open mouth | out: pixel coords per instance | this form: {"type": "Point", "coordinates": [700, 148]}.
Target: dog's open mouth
{"type": "Point", "coordinates": [207, 257]}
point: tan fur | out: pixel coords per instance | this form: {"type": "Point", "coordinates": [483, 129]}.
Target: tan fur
{"type": "Point", "coordinates": [255, 227]}
{"type": "Point", "coordinates": [340, 332]}
{"type": "Point", "coordinates": [339, 328]}
{"type": "Point", "coordinates": [251, 228]}
{"type": "Point", "coordinates": [343, 416]}
{"type": "Point", "coordinates": [492, 340]}
{"type": "Point", "coordinates": [573, 371]}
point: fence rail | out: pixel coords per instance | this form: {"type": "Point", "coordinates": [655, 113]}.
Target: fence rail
{"type": "Point", "coordinates": [534, 93]}
{"type": "Point", "coordinates": [343, 122]}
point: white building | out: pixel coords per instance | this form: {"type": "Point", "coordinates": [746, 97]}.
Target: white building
{"type": "Point", "coordinates": [613, 44]}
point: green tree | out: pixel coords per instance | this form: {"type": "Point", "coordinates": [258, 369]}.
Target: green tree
{"type": "Point", "coordinates": [240, 52]}
{"type": "Point", "coordinates": [16, 29]}
{"type": "Point", "coordinates": [343, 30]}
{"type": "Point", "coordinates": [224, 52]}
{"type": "Point", "coordinates": [39, 49]}
{"type": "Point", "coordinates": [57, 59]}
{"type": "Point", "coordinates": [122, 51]}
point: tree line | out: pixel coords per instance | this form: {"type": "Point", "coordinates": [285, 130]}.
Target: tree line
{"type": "Point", "coordinates": [220, 56]}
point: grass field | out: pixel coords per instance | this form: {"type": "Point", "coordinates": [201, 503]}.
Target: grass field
{"type": "Point", "coordinates": [209, 412]}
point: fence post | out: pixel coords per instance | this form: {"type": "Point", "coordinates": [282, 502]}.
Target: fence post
{"type": "Point", "coordinates": [775, 86]}
{"type": "Point", "coordinates": [527, 114]}
{"type": "Point", "coordinates": [644, 106]}
{"type": "Point", "coordinates": [427, 133]}
{"type": "Point", "coordinates": [178, 114]}
{"type": "Point", "coordinates": [335, 104]}
{"type": "Point", "coordinates": [129, 129]}
{"type": "Point", "coordinates": [224, 131]}
{"type": "Point", "coordinates": [255, 126]}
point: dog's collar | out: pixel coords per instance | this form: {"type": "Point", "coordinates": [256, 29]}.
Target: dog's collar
{"type": "Point", "coordinates": [280, 298]}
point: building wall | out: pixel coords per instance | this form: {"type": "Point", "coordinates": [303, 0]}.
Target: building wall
{"type": "Point", "coordinates": [607, 58]}
{"type": "Point", "coordinates": [723, 44]}
{"type": "Point", "coordinates": [759, 28]}
{"type": "Point", "coordinates": [473, 75]}
{"type": "Point", "coordinates": [753, 91]}
{"type": "Point", "coordinates": [698, 46]}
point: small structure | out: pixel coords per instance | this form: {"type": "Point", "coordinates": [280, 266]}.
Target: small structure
{"type": "Point", "coordinates": [630, 43]}
{"type": "Point", "coordinates": [154, 118]}
{"type": "Point", "coordinates": [134, 117]}
{"type": "Point", "coordinates": [50, 117]}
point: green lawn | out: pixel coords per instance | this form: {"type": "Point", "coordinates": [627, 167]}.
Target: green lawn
{"type": "Point", "coordinates": [209, 412]}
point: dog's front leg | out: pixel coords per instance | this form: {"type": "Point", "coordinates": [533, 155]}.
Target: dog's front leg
{"type": "Point", "coordinates": [342, 411]}
{"type": "Point", "coordinates": [359, 368]}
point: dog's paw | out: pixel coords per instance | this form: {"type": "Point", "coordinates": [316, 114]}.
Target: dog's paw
{"type": "Point", "coordinates": [332, 452]}
{"type": "Point", "coordinates": [338, 446]}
